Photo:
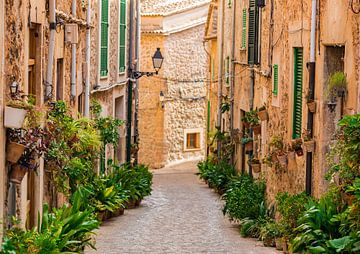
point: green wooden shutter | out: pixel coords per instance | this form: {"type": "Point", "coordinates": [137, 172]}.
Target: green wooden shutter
{"type": "Point", "coordinates": [276, 80]}
{"type": "Point", "coordinates": [253, 32]}
{"type": "Point", "coordinates": [122, 36]}
{"type": "Point", "coordinates": [243, 35]}
{"type": "Point", "coordinates": [298, 79]}
{"type": "Point", "coordinates": [104, 38]}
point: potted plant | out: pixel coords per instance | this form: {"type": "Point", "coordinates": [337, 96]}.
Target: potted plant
{"type": "Point", "coordinates": [263, 114]}
{"type": "Point", "coordinates": [255, 165]}
{"type": "Point", "coordinates": [250, 119]}
{"type": "Point", "coordinates": [311, 104]}
{"type": "Point", "coordinates": [257, 129]}
{"type": "Point", "coordinates": [248, 142]}
{"type": "Point", "coordinates": [296, 146]}
{"type": "Point", "coordinates": [278, 149]}
{"type": "Point", "coordinates": [309, 143]}
{"type": "Point", "coordinates": [269, 232]}
{"type": "Point", "coordinates": [15, 110]}
{"type": "Point", "coordinates": [236, 135]}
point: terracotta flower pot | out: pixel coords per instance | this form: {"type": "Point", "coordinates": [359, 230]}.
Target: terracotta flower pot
{"type": "Point", "coordinates": [312, 106]}
{"type": "Point", "coordinates": [309, 146]}
{"type": "Point", "coordinates": [14, 152]}
{"type": "Point", "coordinates": [279, 243]}
{"type": "Point", "coordinates": [257, 129]}
{"type": "Point", "coordinates": [17, 174]}
{"type": "Point", "coordinates": [130, 204]}
{"type": "Point", "coordinates": [137, 202]}
{"type": "Point", "coordinates": [14, 117]}
{"type": "Point", "coordinates": [269, 242]}
{"type": "Point", "coordinates": [101, 216]}
{"type": "Point", "coordinates": [256, 168]}
{"type": "Point", "coordinates": [282, 160]}
{"type": "Point", "coordinates": [249, 146]}
{"type": "Point", "coordinates": [246, 125]}
{"type": "Point", "coordinates": [299, 152]}
{"type": "Point", "coordinates": [263, 115]}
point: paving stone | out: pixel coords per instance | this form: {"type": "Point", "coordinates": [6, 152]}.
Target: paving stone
{"type": "Point", "coordinates": [181, 216]}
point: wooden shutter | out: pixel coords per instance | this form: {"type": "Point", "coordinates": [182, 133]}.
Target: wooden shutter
{"type": "Point", "coordinates": [104, 45]}
{"type": "Point", "coordinates": [243, 35]}
{"type": "Point", "coordinates": [276, 79]}
{"type": "Point", "coordinates": [253, 33]}
{"type": "Point", "coordinates": [122, 34]}
{"type": "Point", "coordinates": [298, 79]}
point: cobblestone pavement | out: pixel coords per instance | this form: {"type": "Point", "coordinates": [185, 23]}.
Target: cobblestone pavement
{"type": "Point", "coordinates": [181, 216]}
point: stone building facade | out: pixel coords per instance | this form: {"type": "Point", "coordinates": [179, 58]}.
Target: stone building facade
{"type": "Point", "coordinates": [173, 105]}
{"type": "Point", "coordinates": [24, 47]}
{"type": "Point", "coordinates": [278, 77]}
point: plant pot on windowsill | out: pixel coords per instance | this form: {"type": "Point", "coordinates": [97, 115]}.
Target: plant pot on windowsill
{"type": "Point", "coordinates": [256, 167]}
{"type": "Point", "coordinates": [17, 174]}
{"type": "Point", "coordinates": [257, 129]}
{"type": "Point", "coordinates": [14, 151]}
{"type": "Point", "coordinates": [309, 145]}
{"type": "Point", "coordinates": [263, 115]}
{"type": "Point", "coordinates": [14, 117]}
{"type": "Point", "coordinates": [311, 106]}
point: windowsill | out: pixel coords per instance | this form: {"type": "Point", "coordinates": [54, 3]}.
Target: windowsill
{"type": "Point", "coordinates": [104, 77]}
{"type": "Point", "coordinates": [192, 150]}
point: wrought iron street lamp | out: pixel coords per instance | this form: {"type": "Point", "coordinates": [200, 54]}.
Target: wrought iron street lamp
{"type": "Point", "coordinates": [157, 61]}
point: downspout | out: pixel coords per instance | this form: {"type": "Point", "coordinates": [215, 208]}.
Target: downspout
{"type": "Point", "coordinates": [88, 60]}
{"type": "Point", "coordinates": [49, 71]}
{"type": "Point", "coordinates": [137, 56]}
{"type": "Point", "coordinates": [311, 68]}
{"type": "Point", "coordinates": [220, 78]}
{"type": "Point", "coordinates": [232, 76]}
{"type": "Point", "coordinates": [130, 84]}
{"type": "Point", "coordinates": [73, 58]}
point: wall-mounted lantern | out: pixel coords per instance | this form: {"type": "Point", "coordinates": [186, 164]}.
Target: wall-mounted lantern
{"type": "Point", "coordinates": [14, 88]}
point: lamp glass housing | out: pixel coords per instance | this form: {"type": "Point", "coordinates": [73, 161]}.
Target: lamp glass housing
{"type": "Point", "coordinates": [14, 87]}
{"type": "Point", "coordinates": [157, 60]}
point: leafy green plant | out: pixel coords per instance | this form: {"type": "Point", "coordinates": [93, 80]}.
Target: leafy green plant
{"type": "Point", "coordinates": [336, 84]}
{"type": "Point", "coordinates": [243, 198]}
{"type": "Point", "coordinates": [251, 118]}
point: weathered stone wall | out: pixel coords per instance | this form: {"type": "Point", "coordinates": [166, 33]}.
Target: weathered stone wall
{"type": "Point", "coordinates": [185, 106]}
{"type": "Point", "coordinates": [338, 26]}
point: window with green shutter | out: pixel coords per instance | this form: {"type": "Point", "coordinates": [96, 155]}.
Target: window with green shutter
{"type": "Point", "coordinates": [253, 33]}
{"type": "Point", "coordinates": [243, 35]}
{"type": "Point", "coordinates": [298, 79]}
{"type": "Point", "coordinates": [122, 35]}
{"type": "Point", "coordinates": [104, 38]}
{"type": "Point", "coordinates": [276, 79]}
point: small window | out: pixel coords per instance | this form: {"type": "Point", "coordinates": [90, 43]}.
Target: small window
{"type": "Point", "coordinates": [192, 140]}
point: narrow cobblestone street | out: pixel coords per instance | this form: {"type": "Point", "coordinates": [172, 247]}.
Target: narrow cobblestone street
{"type": "Point", "coordinates": [181, 216]}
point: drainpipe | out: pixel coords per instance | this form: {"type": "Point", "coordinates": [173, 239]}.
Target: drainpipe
{"type": "Point", "coordinates": [73, 58]}
{"type": "Point", "coordinates": [311, 68]}
{"type": "Point", "coordinates": [220, 78]}
{"type": "Point", "coordinates": [137, 56]}
{"type": "Point", "coordinates": [130, 84]}
{"type": "Point", "coordinates": [88, 60]}
{"type": "Point", "coordinates": [49, 72]}
{"type": "Point", "coordinates": [232, 76]}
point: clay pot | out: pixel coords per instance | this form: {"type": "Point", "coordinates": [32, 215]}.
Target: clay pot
{"type": "Point", "coordinates": [246, 125]}
{"type": "Point", "coordinates": [101, 216]}
{"type": "Point", "coordinates": [14, 152]}
{"type": "Point", "coordinates": [312, 106]}
{"type": "Point", "coordinates": [309, 146]}
{"type": "Point", "coordinates": [249, 146]}
{"type": "Point", "coordinates": [257, 129]}
{"type": "Point", "coordinates": [17, 174]}
{"type": "Point", "coordinates": [291, 155]}
{"type": "Point", "coordinates": [269, 242]}
{"type": "Point", "coordinates": [263, 115]}
{"type": "Point", "coordinates": [282, 160]}
{"type": "Point", "coordinates": [299, 152]}
{"type": "Point", "coordinates": [14, 117]}
{"type": "Point", "coordinates": [130, 204]}
{"type": "Point", "coordinates": [137, 202]}
{"type": "Point", "coordinates": [256, 168]}
{"type": "Point", "coordinates": [279, 243]}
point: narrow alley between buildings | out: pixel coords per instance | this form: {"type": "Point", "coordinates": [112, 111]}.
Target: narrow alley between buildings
{"type": "Point", "coordinates": [181, 216]}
